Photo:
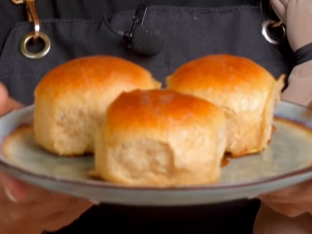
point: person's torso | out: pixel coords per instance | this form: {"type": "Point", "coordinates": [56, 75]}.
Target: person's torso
{"type": "Point", "coordinates": [190, 29]}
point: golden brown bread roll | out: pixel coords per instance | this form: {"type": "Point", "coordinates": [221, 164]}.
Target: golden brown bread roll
{"type": "Point", "coordinates": [72, 98]}
{"type": "Point", "coordinates": [162, 138]}
{"type": "Point", "coordinates": [244, 90]}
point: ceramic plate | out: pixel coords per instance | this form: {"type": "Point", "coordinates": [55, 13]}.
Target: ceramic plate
{"type": "Point", "coordinates": [287, 161]}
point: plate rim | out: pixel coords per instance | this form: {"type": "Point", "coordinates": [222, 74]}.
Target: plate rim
{"type": "Point", "coordinates": [8, 167]}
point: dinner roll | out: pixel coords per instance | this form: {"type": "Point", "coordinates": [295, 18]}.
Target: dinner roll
{"type": "Point", "coordinates": [244, 90]}
{"type": "Point", "coordinates": [71, 99]}
{"type": "Point", "coordinates": [160, 138]}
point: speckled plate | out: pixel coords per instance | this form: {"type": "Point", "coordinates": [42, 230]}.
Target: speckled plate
{"type": "Point", "coordinates": [287, 161]}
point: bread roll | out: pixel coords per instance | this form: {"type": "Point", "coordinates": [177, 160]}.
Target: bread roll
{"type": "Point", "coordinates": [162, 138]}
{"type": "Point", "coordinates": [244, 90]}
{"type": "Point", "coordinates": [72, 98]}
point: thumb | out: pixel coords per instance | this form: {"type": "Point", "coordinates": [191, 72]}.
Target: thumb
{"type": "Point", "coordinates": [7, 104]}
{"type": "Point", "coordinates": [12, 104]}
{"type": "Point", "coordinates": [279, 7]}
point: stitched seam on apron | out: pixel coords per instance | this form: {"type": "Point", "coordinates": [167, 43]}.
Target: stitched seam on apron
{"type": "Point", "coordinates": [193, 9]}
{"type": "Point", "coordinates": [155, 9]}
{"type": "Point", "coordinates": [18, 73]}
{"type": "Point", "coordinates": [204, 11]}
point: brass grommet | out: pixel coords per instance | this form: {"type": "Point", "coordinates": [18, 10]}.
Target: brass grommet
{"type": "Point", "coordinates": [42, 53]}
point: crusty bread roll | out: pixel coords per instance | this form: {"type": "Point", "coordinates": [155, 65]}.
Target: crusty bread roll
{"type": "Point", "coordinates": [17, 142]}
{"type": "Point", "coordinates": [244, 90]}
{"type": "Point", "coordinates": [162, 138]}
{"type": "Point", "coordinates": [72, 98]}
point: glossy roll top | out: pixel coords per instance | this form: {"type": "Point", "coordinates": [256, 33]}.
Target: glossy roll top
{"type": "Point", "coordinates": [160, 137]}
{"type": "Point", "coordinates": [71, 99]}
{"type": "Point", "coordinates": [244, 90]}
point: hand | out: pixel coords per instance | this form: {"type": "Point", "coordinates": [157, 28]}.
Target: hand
{"type": "Point", "coordinates": [297, 16]}
{"type": "Point", "coordinates": [7, 104]}
{"type": "Point", "coordinates": [295, 200]}
{"type": "Point", "coordinates": [287, 211]}
{"type": "Point", "coordinates": [270, 222]}
{"type": "Point", "coordinates": [292, 201]}
{"type": "Point", "coordinates": [30, 210]}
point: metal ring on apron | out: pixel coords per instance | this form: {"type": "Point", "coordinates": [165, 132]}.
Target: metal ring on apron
{"type": "Point", "coordinates": [36, 34]}
{"type": "Point", "coordinates": [32, 36]}
{"type": "Point", "coordinates": [266, 33]}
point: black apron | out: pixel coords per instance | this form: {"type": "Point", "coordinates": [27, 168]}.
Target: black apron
{"type": "Point", "coordinates": [188, 33]}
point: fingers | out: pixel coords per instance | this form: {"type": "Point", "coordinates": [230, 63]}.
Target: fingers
{"type": "Point", "coordinates": [41, 209]}
{"type": "Point", "coordinates": [300, 193]}
{"type": "Point", "coordinates": [279, 7]}
{"type": "Point", "coordinates": [26, 207]}
{"type": "Point", "coordinates": [304, 1]}
{"type": "Point", "coordinates": [7, 104]}
{"type": "Point", "coordinates": [14, 189]}
{"type": "Point", "coordinates": [286, 201]}
{"type": "Point", "coordinates": [292, 201]}
{"type": "Point", "coordinates": [281, 196]}
{"type": "Point", "coordinates": [290, 210]}
{"type": "Point", "coordinates": [63, 218]}
{"type": "Point", "coordinates": [271, 222]}
{"type": "Point", "coordinates": [13, 104]}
